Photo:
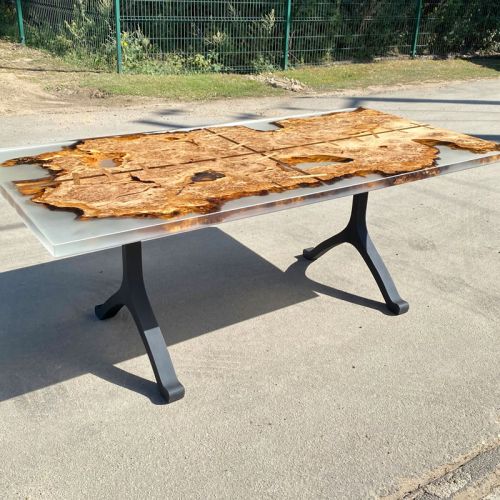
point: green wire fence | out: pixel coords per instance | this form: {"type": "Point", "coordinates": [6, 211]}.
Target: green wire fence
{"type": "Point", "coordinates": [174, 36]}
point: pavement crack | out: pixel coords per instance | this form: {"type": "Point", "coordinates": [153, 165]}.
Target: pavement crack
{"type": "Point", "coordinates": [471, 476]}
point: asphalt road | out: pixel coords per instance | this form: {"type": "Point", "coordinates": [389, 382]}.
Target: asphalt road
{"type": "Point", "coordinates": [299, 385]}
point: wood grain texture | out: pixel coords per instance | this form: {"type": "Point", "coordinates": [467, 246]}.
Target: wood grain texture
{"type": "Point", "coordinates": [177, 173]}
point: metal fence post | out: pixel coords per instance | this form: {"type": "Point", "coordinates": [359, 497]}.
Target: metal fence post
{"type": "Point", "coordinates": [288, 20]}
{"type": "Point", "coordinates": [118, 37]}
{"type": "Point", "coordinates": [20, 23]}
{"type": "Point", "coordinates": [417, 28]}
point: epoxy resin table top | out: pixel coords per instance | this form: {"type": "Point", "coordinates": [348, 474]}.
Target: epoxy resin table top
{"type": "Point", "coordinates": [329, 174]}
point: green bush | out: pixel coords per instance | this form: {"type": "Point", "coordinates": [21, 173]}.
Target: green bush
{"type": "Point", "coordinates": [8, 23]}
{"type": "Point", "coordinates": [458, 27]}
{"type": "Point", "coordinates": [221, 36]}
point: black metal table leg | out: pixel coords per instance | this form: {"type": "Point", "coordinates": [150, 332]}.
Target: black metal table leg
{"type": "Point", "coordinates": [133, 295]}
{"type": "Point", "coordinates": [356, 233]}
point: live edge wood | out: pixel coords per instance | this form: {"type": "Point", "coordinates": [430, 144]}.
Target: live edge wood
{"type": "Point", "coordinates": [175, 173]}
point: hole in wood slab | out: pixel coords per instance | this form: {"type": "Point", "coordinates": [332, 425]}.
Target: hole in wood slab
{"type": "Point", "coordinates": [144, 181]}
{"type": "Point", "coordinates": [306, 162]}
{"type": "Point", "coordinates": [207, 175]}
{"type": "Point", "coordinates": [264, 126]}
{"type": "Point", "coordinates": [312, 164]}
{"type": "Point", "coordinates": [107, 163]}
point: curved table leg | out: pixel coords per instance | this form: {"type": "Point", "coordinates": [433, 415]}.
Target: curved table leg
{"type": "Point", "coordinates": [356, 233]}
{"type": "Point", "coordinates": [133, 295]}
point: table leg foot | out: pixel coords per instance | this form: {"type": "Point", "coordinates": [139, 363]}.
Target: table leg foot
{"type": "Point", "coordinates": [316, 252]}
{"type": "Point", "coordinates": [133, 295]}
{"type": "Point", "coordinates": [110, 308]}
{"type": "Point", "coordinates": [356, 233]}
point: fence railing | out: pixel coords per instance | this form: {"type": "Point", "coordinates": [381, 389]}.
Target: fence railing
{"type": "Point", "coordinates": [173, 36]}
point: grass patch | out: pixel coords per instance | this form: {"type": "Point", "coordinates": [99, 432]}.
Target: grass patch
{"type": "Point", "coordinates": [56, 74]}
{"type": "Point", "coordinates": [337, 77]}
{"type": "Point", "coordinates": [186, 87]}
{"type": "Point", "coordinates": [394, 72]}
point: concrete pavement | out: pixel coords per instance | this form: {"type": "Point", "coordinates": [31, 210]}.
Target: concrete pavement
{"type": "Point", "coordinates": [299, 385]}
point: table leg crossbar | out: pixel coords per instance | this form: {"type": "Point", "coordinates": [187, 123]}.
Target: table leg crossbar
{"type": "Point", "coordinates": [356, 233]}
{"type": "Point", "coordinates": [132, 294]}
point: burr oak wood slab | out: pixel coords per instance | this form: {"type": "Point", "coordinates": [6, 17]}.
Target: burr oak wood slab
{"type": "Point", "coordinates": [177, 173]}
